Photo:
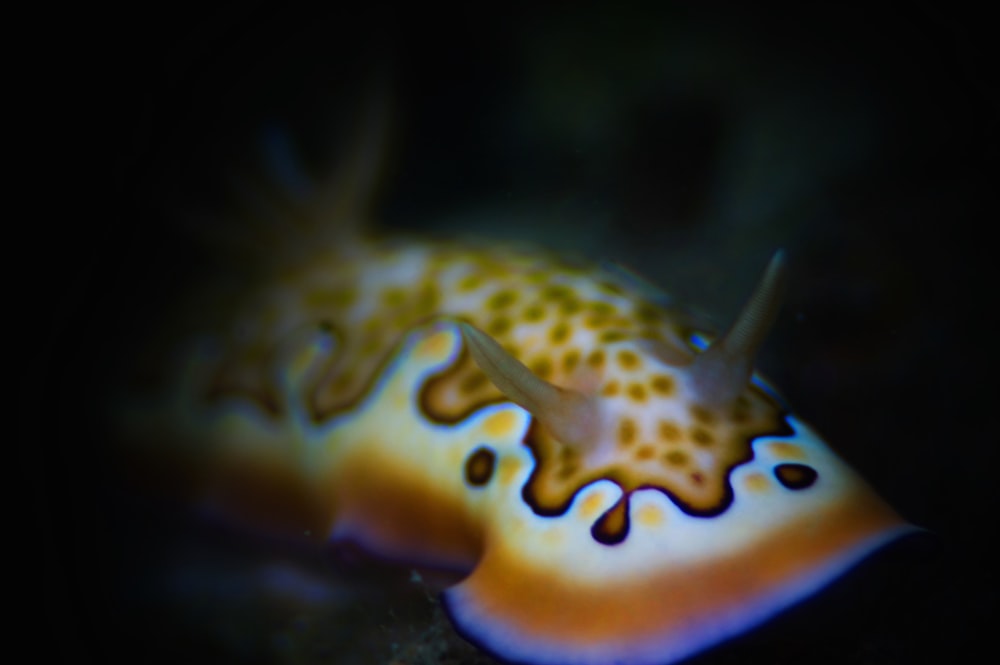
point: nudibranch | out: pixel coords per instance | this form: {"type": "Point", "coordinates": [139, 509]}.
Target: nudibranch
{"type": "Point", "coordinates": [618, 485]}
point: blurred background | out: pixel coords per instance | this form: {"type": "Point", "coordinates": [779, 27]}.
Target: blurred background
{"type": "Point", "coordinates": [687, 143]}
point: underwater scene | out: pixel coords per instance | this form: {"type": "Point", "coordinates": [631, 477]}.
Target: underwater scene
{"type": "Point", "coordinates": [576, 335]}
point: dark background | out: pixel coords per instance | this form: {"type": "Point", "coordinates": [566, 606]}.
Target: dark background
{"type": "Point", "coordinates": [685, 143]}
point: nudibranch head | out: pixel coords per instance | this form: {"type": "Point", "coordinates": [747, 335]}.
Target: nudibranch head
{"type": "Point", "coordinates": [645, 415]}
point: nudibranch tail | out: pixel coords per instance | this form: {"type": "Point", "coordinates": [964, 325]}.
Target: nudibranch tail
{"type": "Point", "coordinates": [569, 415]}
{"type": "Point", "coordinates": [722, 372]}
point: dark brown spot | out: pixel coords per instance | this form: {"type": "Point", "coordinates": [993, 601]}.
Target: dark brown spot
{"type": "Point", "coordinates": [479, 466]}
{"type": "Point", "coordinates": [428, 299]}
{"type": "Point", "coordinates": [610, 389]}
{"type": "Point", "coordinates": [393, 296]}
{"type": "Point", "coordinates": [596, 358]}
{"type": "Point", "coordinates": [612, 527]}
{"type": "Point", "coordinates": [557, 292]}
{"type": "Point", "coordinates": [645, 452]}
{"type": "Point", "coordinates": [702, 415]}
{"type": "Point", "coordinates": [559, 333]}
{"type": "Point", "coordinates": [676, 457]}
{"type": "Point", "coordinates": [536, 276]}
{"type": "Point", "coordinates": [669, 431]}
{"type": "Point", "coordinates": [470, 282]}
{"type": "Point", "coordinates": [499, 326]}
{"type": "Point", "coordinates": [571, 359]}
{"type": "Point", "coordinates": [701, 436]}
{"type": "Point", "coordinates": [662, 384]}
{"type": "Point", "coordinates": [637, 392]}
{"type": "Point", "coordinates": [627, 359]}
{"type": "Point", "coordinates": [501, 300]}
{"type": "Point", "coordinates": [626, 432]}
{"type": "Point", "coordinates": [610, 336]}
{"type": "Point", "coordinates": [534, 313]}
{"type": "Point", "coordinates": [601, 307]}
{"type": "Point", "coordinates": [596, 321]}
{"type": "Point", "coordinates": [570, 306]}
{"type": "Point", "coordinates": [541, 367]}
{"type": "Point", "coordinates": [795, 476]}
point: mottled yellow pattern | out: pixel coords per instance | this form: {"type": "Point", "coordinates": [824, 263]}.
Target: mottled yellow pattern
{"type": "Point", "coordinates": [573, 326]}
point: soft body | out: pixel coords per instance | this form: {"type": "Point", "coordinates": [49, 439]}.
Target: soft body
{"type": "Point", "coordinates": [614, 482]}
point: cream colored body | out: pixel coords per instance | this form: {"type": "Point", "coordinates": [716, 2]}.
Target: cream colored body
{"type": "Point", "coordinates": [343, 384]}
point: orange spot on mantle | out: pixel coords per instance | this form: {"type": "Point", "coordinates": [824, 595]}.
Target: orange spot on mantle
{"type": "Point", "coordinates": [591, 505]}
{"type": "Point", "coordinates": [500, 424]}
{"type": "Point", "coordinates": [757, 482]}
{"type": "Point", "coordinates": [650, 516]}
{"type": "Point", "coordinates": [785, 450]}
{"type": "Point", "coordinates": [435, 347]}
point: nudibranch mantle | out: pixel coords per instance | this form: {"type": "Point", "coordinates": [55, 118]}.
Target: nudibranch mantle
{"type": "Point", "coordinates": [534, 423]}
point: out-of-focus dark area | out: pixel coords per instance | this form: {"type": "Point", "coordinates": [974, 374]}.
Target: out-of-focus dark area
{"type": "Point", "coordinates": [686, 143]}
